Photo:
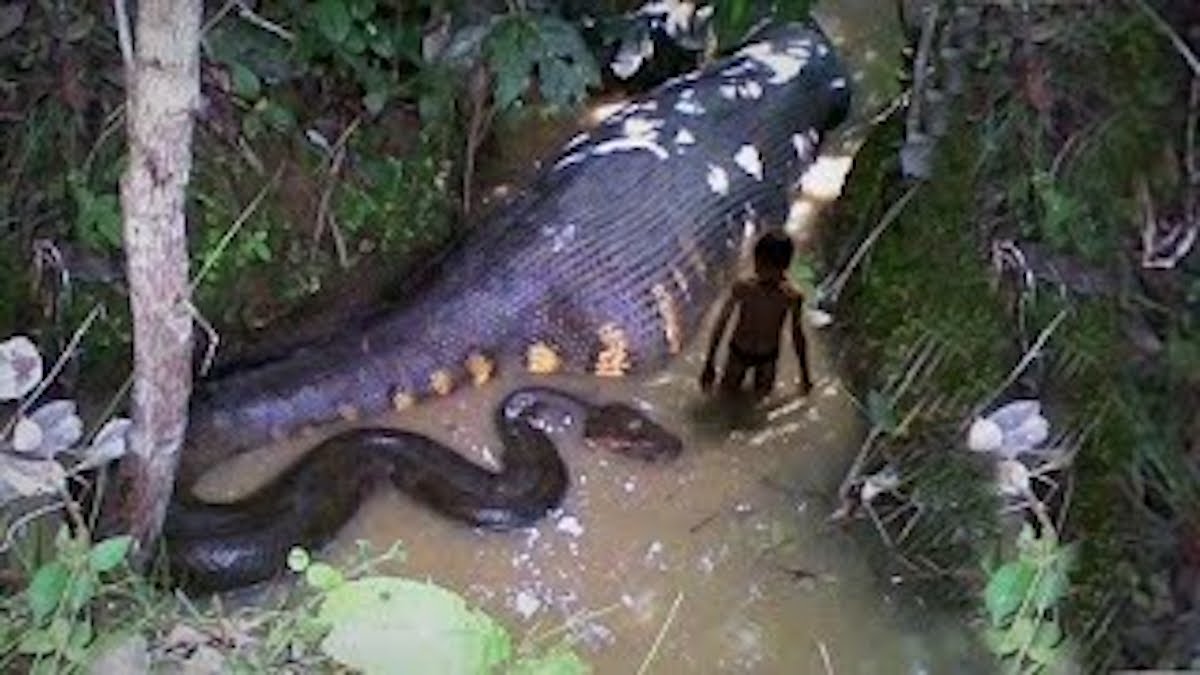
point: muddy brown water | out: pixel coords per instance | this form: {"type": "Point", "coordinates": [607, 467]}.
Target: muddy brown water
{"type": "Point", "coordinates": [734, 532]}
{"type": "Point", "coordinates": [726, 552]}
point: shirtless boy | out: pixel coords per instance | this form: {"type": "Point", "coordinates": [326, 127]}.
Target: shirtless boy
{"type": "Point", "coordinates": [763, 303]}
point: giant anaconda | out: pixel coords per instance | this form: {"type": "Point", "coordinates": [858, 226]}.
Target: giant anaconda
{"type": "Point", "coordinates": [605, 264]}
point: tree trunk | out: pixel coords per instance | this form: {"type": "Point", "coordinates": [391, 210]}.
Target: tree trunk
{"type": "Point", "coordinates": [162, 93]}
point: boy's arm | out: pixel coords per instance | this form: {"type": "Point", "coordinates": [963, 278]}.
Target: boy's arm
{"type": "Point", "coordinates": [718, 332]}
{"type": "Point", "coordinates": [798, 343]}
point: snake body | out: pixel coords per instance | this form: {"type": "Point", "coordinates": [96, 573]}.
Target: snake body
{"type": "Point", "coordinates": [217, 546]}
{"type": "Point", "coordinates": [605, 264]}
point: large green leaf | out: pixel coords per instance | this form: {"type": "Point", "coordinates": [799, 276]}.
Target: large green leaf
{"type": "Point", "coordinates": [1006, 589]}
{"type": "Point", "coordinates": [388, 625]}
{"type": "Point", "coordinates": [109, 553]}
{"type": "Point", "coordinates": [333, 19]}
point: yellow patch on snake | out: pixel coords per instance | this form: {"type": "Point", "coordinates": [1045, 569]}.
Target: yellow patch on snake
{"type": "Point", "coordinates": [348, 412]}
{"type": "Point", "coordinates": [480, 367]}
{"type": "Point", "coordinates": [441, 382]}
{"type": "Point", "coordinates": [613, 359]}
{"type": "Point", "coordinates": [541, 359]}
{"type": "Point", "coordinates": [668, 312]}
{"type": "Point", "coordinates": [402, 400]}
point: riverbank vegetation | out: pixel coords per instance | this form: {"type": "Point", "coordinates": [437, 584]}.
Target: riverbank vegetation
{"type": "Point", "coordinates": [1025, 330]}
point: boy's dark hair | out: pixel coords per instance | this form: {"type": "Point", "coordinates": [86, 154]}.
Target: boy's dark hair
{"type": "Point", "coordinates": [774, 250]}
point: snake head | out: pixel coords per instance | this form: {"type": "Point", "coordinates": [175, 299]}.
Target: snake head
{"type": "Point", "coordinates": [626, 430]}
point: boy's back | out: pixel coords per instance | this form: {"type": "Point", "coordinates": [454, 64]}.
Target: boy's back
{"type": "Point", "coordinates": [763, 308]}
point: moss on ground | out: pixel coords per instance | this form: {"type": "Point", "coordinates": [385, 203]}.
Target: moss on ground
{"type": "Point", "coordinates": [1054, 159]}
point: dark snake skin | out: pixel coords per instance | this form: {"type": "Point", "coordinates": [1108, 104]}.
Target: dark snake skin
{"type": "Point", "coordinates": [608, 262]}
{"type": "Point", "coordinates": [223, 546]}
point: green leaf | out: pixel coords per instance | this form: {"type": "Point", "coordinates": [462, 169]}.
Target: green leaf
{"type": "Point", "coordinates": [382, 45]}
{"type": "Point", "coordinates": [37, 641]}
{"type": "Point", "coordinates": [278, 117]}
{"type": "Point", "coordinates": [109, 553]}
{"type": "Point", "coordinates": [375, 101]}
{"type": "Point", "coordinates": [333, 20]}
{"type": "Point", "coordinates": [46, 589]}
{"type": "Point", "coordinates": [356, 41]}
{"type": "Point", "coordinates": [323, 577]}
{"type": "Point", "coordinates": [999, 641]}
{"type": "Point", "coordinates": [1045, 647]}
{"type": "Point", "coordinates": [79, 642]}
{"type": "Point", "coordinates": [362, 9]}
{"type": "Point", "coordinates": [558, 661]}
{"type": "Point", "coordinates": [1052, 586]}
{"type": "Point", "coordinates": [1006, 589]}
{"type": "Point", "coordinates": [1021, 631]}
{"type": "Point", "coordinates": [80, 591]}
{"type": "Point", "coordinates": [880, 412]}
{"type": "Point", "coordinates": [246, 84]}
{"type": "Point", "coordinates": [379, 623]}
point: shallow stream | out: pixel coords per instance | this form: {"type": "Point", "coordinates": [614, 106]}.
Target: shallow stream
{"type": "Point", "coordinates": [726, 551]}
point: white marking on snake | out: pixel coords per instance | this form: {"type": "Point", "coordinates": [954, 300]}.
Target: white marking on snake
{"type": "Point", "coordinates": [640, 133]}
{"type": "Point", "coordinates": [803, 147]}
{"type": "Point", "coordinates": [785, 65]}
{"type": "Point", "coordinates": [750, 161]}
{"type": "Point", "coordinates": [684, 137]}
{"type": "Point", "coordinates": [718, 180]}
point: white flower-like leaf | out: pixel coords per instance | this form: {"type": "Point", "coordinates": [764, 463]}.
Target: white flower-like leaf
{"type": "Point", "coordinates": [881, 481]}
{"type": "Point", "coordinates": [1012, 478]}
{"type": "Point", "coordinates": [1012, 429]}
{"type": "Point", "coordinates": [26, 436]}
{"type": "Point", "coordinates": [817, 318]}
{"type": "Point", "coordinates": [985, 436]}
{"type": "Point", "coordinates": [110, 443]}
{"type": "Point", "coordinates": [58, 428]}
{"type": "Point", "coordinates": [20, 367]}
{"type": "Point", "coordinates": [27, 478]}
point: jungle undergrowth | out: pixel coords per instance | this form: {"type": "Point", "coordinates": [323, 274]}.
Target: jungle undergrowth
{"type": "Point", "coordinates": [1047, 155]}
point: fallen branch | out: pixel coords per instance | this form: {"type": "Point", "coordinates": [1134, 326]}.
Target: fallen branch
{"type": "Point", "coordinates": [1176, 41]}
{"type": "Point", "coordinates": [834, 288]}
{"type": "Point", "coordinates": [1030, 354]}
{"type": "Point", "coordinates": [662, 632]}
{"type": "Point", "coordinates": [324, 218]}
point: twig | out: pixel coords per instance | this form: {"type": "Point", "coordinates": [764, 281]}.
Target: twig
{"type": "Point", "coordinates": [919, 362]}
{"type": "Point", "coordinates": [324, 218]}
{"type": "Point", "coordinates": [249, 16]}
{"type": "Point", "coordinates": [1177, 42]}
{"type": "Point", "coordinates": [111, 124]}
{"type": "Point", "coordinates": [662, 632]}
{"type": "Point", "coordinates": [1189, 162]}
{"type": "Point", "coordinates": [124, 37]}
{"type": "Point", "coordinates": [1033, 352]}
{"type": "Point", "coordinates": [571, 622]}
{"type": "Point", "coordinates": [482, 116]}
{"type": "Point", "coordinates": [214, 338]}
{"type": "Point", "coordinates": [215, 254]}
{"type": "Point", "coordinates": [217, 16]}
{"type": "Point", "coordinates": [825, 660]}
{"type": "Point", "coordinates": [59, 364]}
{"type": "Point", "coordinates": [833, 289]}
{"type": "Point", "coordinates": [705, 521]}
{"type": "Point", "coordinates": [920, 65]}
{"type": "Point", "coordinates": [19, 524]}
